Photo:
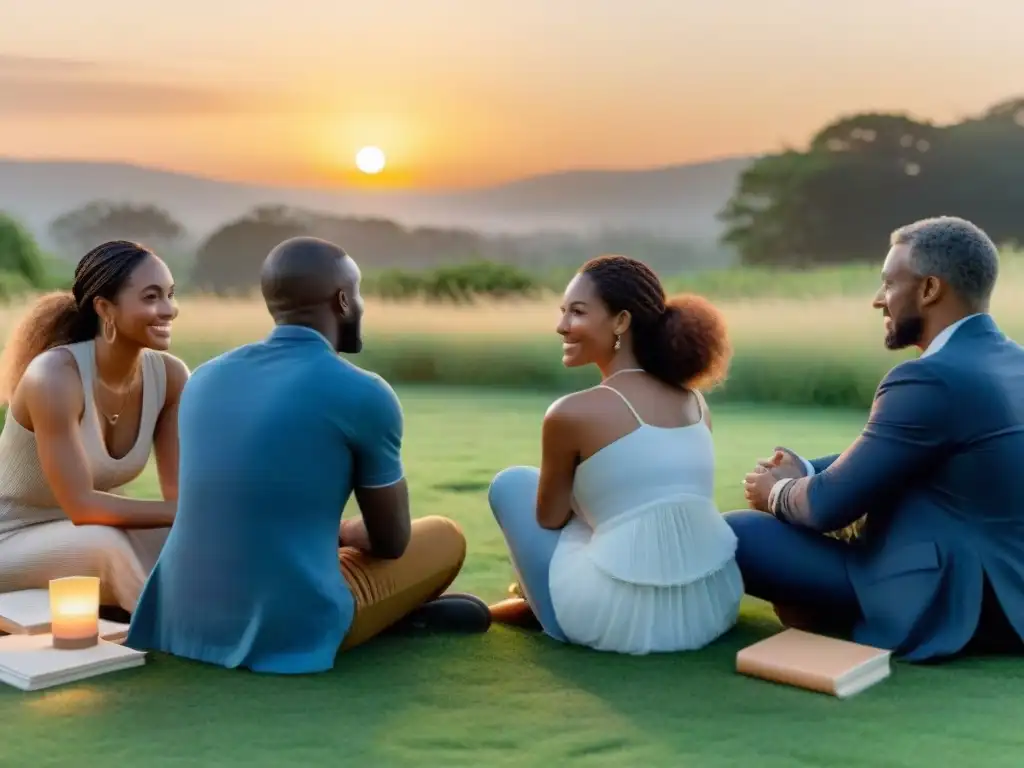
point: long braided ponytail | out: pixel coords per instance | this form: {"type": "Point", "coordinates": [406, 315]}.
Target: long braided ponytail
{"type": "Point", "coordinates": [67, 317]}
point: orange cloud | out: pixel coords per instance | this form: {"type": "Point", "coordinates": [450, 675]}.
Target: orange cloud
{"type": "Point", "coordinates": [32, 87]}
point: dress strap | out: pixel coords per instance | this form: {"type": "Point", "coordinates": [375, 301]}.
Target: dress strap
{"type": "Point", "coordinates": [623, 398]}
{"type": "Point", "coordinates": [154, 383]}
{"type": "Point", "coordinates": [84, 353]}
{"type": "Point", "coordinates": [701, 405]}
{"type": "Point", "coordinates": [85, 358]}
{"type": "Point", "coordinates": [604, 385]}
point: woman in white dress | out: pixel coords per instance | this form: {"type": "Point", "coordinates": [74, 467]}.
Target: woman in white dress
{"type": "Point", "coordinates": [91, 394]}
{"type": "Point", "coordinates": [616, 539]}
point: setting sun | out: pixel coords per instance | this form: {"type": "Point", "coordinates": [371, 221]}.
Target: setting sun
{"type": "Point", "coordinates": [370, 160]}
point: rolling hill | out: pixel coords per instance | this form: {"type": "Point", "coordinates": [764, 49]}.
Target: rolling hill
{"type": "Point", "coordinates": [677, 201]}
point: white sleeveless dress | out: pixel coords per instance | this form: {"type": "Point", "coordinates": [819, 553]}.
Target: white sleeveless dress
{"type": "Point", "coordinates": [647, 563]}
{"type": "Point", "coordinates": [38, 541]}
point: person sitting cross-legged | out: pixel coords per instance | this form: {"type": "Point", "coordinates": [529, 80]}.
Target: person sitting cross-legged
{"type": "Point", "coordinates": [92, 394]}
{"type": "Point", "coordinates": [616, 538]}
{"type": "Point", "coordinates": [936, 566]}
{"type": "Point", "coordinates": [275, 436]}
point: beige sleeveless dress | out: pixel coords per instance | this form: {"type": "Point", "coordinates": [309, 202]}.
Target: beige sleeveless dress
{"type": "Point", "coordinates": [37, 540]}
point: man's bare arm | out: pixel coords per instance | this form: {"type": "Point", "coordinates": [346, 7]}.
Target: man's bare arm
{"type": "Point", "coordinates": [385, 518]}
{"type": "Point", "coordinates": [379, 477]}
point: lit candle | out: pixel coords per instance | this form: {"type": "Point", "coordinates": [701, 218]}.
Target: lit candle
{"type": "Point", "coordinates": [75, 611]}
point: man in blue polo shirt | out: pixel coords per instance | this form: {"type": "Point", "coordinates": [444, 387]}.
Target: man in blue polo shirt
{"type": "Point", "coordinates": [274, 438]}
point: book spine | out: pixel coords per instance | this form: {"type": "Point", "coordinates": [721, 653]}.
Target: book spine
{"type": "Point", "coordinates": [786, 676]}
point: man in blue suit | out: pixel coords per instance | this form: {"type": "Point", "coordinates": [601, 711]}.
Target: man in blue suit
{"type": "Point", "coordinates": [938, 568]}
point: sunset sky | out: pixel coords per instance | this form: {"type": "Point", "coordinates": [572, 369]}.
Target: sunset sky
{"type": "Point", "coordinates": [472, 92]}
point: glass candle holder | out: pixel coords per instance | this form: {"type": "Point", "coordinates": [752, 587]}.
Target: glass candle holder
{"type": "Point", "coordinates": [75, 611]}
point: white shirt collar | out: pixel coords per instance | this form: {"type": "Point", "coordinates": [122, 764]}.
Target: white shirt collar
{"type": "Point", "coordinates": [945, 335]}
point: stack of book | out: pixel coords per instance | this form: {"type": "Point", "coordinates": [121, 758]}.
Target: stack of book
{"type": "Point", "coordinates": [28, 659]}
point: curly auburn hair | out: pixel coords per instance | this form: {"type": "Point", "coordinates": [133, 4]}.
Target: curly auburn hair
{"type": "Point", "coordinates": [67, 317]}
{"type": "Point", "coordinates": [682, 341]}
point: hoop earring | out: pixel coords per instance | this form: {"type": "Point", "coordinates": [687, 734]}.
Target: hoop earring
{"type": "Point", "coordinates": [618, 342]}
{"type": "Point", "coordinates": [113, 332]}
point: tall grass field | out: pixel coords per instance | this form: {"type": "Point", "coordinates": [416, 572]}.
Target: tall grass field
{"type": "Point", "coordinates": [800, 338]}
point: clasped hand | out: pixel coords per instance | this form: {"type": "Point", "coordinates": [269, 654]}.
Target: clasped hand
{"type": "Point", "coordinates": [757, 485]}
{"type": "Point", "coordinates": [352, 533]}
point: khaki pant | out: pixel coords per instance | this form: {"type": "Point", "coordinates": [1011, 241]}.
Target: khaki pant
{"type": "Point", "coordinates": [386, 591]}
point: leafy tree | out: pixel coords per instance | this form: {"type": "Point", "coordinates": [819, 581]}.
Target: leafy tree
{"type": "Point", "coordinates": [86, 227]}
{"type": "Point", "coordinates": [863, 175]}
{"type": "Point", "coordinates": [765, 219]}
{"type": "Point", "coordinates": [19, 254]}
{"type": "Point", "coordinates": [229, 261]}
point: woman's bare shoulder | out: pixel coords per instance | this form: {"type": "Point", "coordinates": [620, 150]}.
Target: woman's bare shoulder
{"type": "Point", "coordinates": [50, 388]}
{"type": "Point", "coordinates": [177, 371]}
{"type": "Point", "coordinates": [54, 372]}
{"type": "Point", "coordinates": [575, 407]}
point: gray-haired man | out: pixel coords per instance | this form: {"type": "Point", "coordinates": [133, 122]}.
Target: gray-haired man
{"type": "Point", "coordinates": [938, 568]}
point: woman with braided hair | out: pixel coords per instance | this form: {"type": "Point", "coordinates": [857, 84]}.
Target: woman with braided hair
{"type": "Point", "coordinates": [616, 539]}
{"type": "Point", "coordinates": [91, 391]}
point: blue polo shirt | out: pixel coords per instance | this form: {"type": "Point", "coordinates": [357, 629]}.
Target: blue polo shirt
{"type": "Point", "coordinates": [274, 436]}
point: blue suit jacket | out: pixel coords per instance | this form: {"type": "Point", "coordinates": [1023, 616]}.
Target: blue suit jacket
{"type": "Point", "coordinates": [938, 470]}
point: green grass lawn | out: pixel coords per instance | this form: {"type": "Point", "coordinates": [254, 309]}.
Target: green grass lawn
{"type": "Point", "coordinates": [515, 698]}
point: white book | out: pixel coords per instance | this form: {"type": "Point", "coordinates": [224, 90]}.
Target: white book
{"type": "Point", "coordinates": [27, 612]}
{"type": "Point", "coordinates": [31, 663]}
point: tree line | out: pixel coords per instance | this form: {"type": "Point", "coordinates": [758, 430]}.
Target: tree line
{"type": "Point", "coordinates": [864, 175]}
{"type": "Point", "coordinates": [836, 201]}
{"type": "Point", "coordinates": [227, 262]}
{"type": "Point", "coordinates": [25, 268]}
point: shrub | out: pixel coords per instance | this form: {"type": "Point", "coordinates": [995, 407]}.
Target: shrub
{"type": "Point", "coordinates": [14, 285]}
{"type": "Point", "coordinates": [456, 283]}
{"type": "Point", "coordinates": [19, 253]}
{"type": "Point", "coordinates": [394, 285]}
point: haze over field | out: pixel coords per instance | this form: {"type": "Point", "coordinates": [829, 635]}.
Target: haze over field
{"type": "Point", "coordinates": [681, 200]}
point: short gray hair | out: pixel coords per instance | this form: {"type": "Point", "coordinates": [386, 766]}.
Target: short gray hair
{"type": "Point", "coordinates": [956, 251]}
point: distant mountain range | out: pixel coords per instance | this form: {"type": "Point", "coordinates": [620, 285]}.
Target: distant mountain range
{"type": "Point", "coordinates": [679, 200]}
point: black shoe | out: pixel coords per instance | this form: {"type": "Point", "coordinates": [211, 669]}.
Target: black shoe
{"type": "Point", "coordinates": [451, 612]}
